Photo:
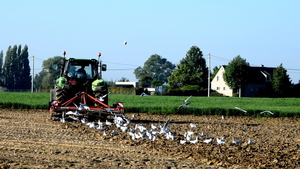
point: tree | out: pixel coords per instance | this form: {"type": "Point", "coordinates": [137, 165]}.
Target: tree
{"type": "Point", "coordinates": [236, 73]}
{"type": "Point", "coordinates": [156, 67]}
{"type": "Point", "coordinates": [16, 70]}
{"type": "Point", "coordinates": [50, 72]}
{"type": "Point", "coordinates": [281, 82]}
{"type": "Point", "coordinates": [215, 71]}
{"type": "Point", "coordinates": [24, 77]}
{"type": "Point", "coordinates": [191, 70]}
{"type": "Point", "coordinates": [123, 79]}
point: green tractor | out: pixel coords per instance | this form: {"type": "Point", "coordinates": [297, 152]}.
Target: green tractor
{"type": "Point", "coordinates": [81, 89]}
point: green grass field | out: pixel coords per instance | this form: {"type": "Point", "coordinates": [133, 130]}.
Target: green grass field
{"type": "Point", "coordinates": [168, 104]}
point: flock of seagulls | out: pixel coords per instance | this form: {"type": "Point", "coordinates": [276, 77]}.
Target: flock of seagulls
{"type": "Point", "coordinates": [139, 131]}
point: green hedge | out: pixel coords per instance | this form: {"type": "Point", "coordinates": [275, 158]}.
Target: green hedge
{"type": "Point", "coordinates": [281, 107]}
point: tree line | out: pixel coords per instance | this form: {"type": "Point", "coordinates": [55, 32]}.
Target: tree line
{"type": "Point", "coordinates": [14, 68]}
{"type": "Point", "coordinates": [190, 73]}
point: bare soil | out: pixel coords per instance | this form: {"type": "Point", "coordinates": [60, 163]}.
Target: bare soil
{"type": "Point", "coordinates": [29, 139]}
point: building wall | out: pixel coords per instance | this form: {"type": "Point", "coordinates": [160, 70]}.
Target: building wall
{"type": "Point", "coordinates": [218, 84]}
{"type": "Point", "coordinates": [134, 84]}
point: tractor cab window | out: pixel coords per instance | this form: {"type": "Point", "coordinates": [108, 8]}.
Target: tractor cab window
{"type": "Point", "coordinates": [82, 71]}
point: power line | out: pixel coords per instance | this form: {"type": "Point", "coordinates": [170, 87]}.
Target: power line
{"type": "Point", "coordinates": [120, 69]}
{"type": "Point", "coordinates": [121, 64]}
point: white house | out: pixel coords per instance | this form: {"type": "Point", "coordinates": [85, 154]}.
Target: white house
{"type": "Point", "coordinates": [259, 82]}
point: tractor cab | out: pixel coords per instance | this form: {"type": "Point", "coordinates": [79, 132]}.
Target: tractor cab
{"type": "Point", "coordinates": [81, 68]}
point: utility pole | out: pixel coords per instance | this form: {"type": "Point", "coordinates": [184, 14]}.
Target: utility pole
{"type": "Point", "coordinates": [208, 91]}
{"type": "Point", "coordinates": [32, 76]}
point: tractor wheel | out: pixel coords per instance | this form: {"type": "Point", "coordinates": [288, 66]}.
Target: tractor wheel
{"type": "Point", "coordinates": [61, 95]}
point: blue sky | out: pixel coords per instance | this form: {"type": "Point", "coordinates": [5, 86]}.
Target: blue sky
{"type": "Point", "coordinates": [262, 32]}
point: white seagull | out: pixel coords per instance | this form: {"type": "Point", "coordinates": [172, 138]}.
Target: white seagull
{"type": "Point", "coordinates": [235, 142]}
{"type": "Point", "coordinates": [62, 119]}
{"type": "Point", "coordinates": [182, 141]}
{"type": "Point", "coordinates": [112, 133]}
{"type": "Point", "coordinates": [266, 112]}
{"type": "Point", "coordinates": [185, 100]}
{"type": "Point", "coordinates": [74, 118]}
{"type": "Point", "coordinates": [107, 123]}
{"type": "Point", "coordinates": [143, 94]}
{"type": "Point", "coordinates": [183, 105]}
{"type": "Point", "coordinates": [188, 133]}
{"type": "Point", "coordinates": [133, 116]}
{"type": "Point", "coordinates": [93, 125]}
{"type": "Point", "coordinates": [123, 128]}
{"type": "Point", "coordinates": [193, 125]}
{"type": "Point", "coordinates": [164, 129]}
{"type": "Point", "coordinates": [100, 127]}
{"type": "Point", "coordinates": [83, 106]}
{"type": "Point", "coordinates": [241, 109]}
{"type": "Point", "coordinates": [220, 141]}
{"type": "Point", "coordinates": [72, 113]}
{"type": "Point", "coordinates": [202, 135]}
{"type": "Point", "coordinates": [153, 127]}
{"type": "Point", "coordinates": [207, 141]}
{"type": "Point", "coordinates": [104, 134]}
{"type": "Point", "coordinates": [249, 141]}
{"type": "Point", "coordinates": [194, 141]}
{"type": "Point", "coordinates": [132, 135]}
{"type": "Point", "coordinates": [84, 120]}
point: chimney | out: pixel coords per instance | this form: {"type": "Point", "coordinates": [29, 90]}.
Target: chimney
{"type": "Point", "coordinates": [261, 65]}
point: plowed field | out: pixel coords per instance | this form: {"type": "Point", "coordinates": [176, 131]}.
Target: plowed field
{"type": "Point", "coordinates": [29, 139]}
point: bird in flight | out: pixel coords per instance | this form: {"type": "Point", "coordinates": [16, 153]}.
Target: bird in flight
{"type": "Point", "coordinates": [266, 112]}
{"type": "Point", "coordinates": [183, 105]}
{"type": "Point", "coordinates": [185, 100]}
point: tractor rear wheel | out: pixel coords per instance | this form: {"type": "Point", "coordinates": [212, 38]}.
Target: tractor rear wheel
{"type": "Point", "coordinates": [61, 94]}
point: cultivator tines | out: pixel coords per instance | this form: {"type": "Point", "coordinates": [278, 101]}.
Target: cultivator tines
{"type": "Point", "coordinates": [88, 105]}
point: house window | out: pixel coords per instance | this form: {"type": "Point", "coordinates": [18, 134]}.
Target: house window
{"type": "Point", "coordinates": [217, 78]}
{"type": "Point", "coordinates": [224, 88]}
{"type": "Point", "coordinates": [218, 88]}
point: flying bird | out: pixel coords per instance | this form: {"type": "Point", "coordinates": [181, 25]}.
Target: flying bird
{"type": "Point", "coordinates": [266, 112]}
{"type": "Point", "coordinates": [185, 100]}
{"type": "Point", "coordinates": [184, 105]}
{"type": "Point", "coordinates": [165, 127]}
{"type": "Point", "coordinates": [241, 109]}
